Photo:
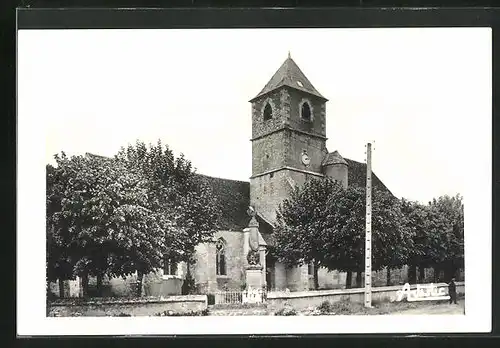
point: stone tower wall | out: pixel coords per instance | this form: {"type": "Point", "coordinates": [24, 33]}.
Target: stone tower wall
{"type": "Point", "coordinates": [338, 172]}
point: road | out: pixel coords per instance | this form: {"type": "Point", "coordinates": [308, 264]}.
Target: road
{"type": "Point", "coordinates": [442, 308]}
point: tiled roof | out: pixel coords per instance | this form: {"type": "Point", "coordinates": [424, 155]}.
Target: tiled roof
{"type": "Point", "coordinates": [233, 197]}
{"type": "Point", "coordinates": [269, 239]}
{"type": "Point", "coordinates": [333, 158]}
{"type": "Point", "coordinates": [356, 176]}
{"type": "Point", "coordinates": [289, 74]}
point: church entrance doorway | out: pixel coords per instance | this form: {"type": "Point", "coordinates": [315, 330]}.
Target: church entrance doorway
{"type": "Point", "coordinates": [270, 273]}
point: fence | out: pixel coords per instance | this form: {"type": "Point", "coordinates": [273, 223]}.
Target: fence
{"type": "Point", "coordinates": [239, 297]}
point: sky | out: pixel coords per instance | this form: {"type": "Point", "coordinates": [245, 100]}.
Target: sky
{"type": "Point", "coordinates": [422, 95]}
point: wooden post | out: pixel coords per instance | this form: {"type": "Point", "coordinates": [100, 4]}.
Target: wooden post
{"type": "Point", "coordinates": [368, 237]}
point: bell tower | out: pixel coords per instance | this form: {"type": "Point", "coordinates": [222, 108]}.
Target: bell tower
{"type": "Point", "coordinates": [288, 137]}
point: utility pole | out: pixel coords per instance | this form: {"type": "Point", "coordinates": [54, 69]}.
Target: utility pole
{"type": "Point", "coordinates": [368, 237]}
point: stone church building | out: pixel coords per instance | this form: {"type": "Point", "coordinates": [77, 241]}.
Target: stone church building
{"type": "Point", "coordinates": [288, 147]}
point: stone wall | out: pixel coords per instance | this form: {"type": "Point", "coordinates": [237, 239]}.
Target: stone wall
{"type": "Point", "coordinates": [297, 278]}
{"type": "Point", "coordinates": [338, 172]}
{"type": "Point", "coordinates": [277, 100]}
{"type": "Point", "coordinates": [268, 191]}
{"type": "Point", "coordinates": [318, 124]}
{"type": "Point", "coordinates": [331, 279]}
{"type": "Point", "coordinates": [279, 276]}
{"type": "Point", "coordinates": [337, 280]}
{"type": "Point", "coordinates": [153, 284]}
{"type": "Point", "coordinates": [269, 152]}
{"type": "Point", "coordinates": [71, 288]}
{"type": "Point", "coordinates": [235, 261]}
{"type": "Point", "coordinates": [315, 147]}
{"type": "Point", "coordinates": [204, 270]}
{"type": "Point", "coordinates": [176, 304]}
{"type": "Point", "coordinates": [300, 300]}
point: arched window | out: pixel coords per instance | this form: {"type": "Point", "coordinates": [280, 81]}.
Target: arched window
{"type": "Point", "coordinates": [310, 269]}
{"type": "Point", "coordinates": [220, 261]}
{"type": "Point", "coordinates": [305, 111]}
{"type": "Point", "coordinates": [169, 266]}
{"type": "Point", "coordinates": [268, 112]}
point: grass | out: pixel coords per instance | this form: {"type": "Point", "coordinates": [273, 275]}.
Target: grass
{"type": "Point", "coordinates": [188, 314]}
{"type": "Point", "coordinates": [346, 307]}
{"type": "Point", "coordinates": [239, 305]}
{"type": "Point", "coordinates": [286, 311]}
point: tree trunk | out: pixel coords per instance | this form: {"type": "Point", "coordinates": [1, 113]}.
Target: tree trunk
{"type": "Point", "coordinates": [316, 277]}
{"type": "Point", "coordinates": [449, 272]}
{"type": "Point", "coordinates": [421, 276]}
{"type": "Point", "coordinates": [348, 280]}
{"type": "Point", "coordinates": [412, 274]}
{"type": "Point", "coordinates": [61, 288]}
{"type": "Point", "coordinates": [140, 277]}
{"type": "Point", "coordinates": [186, 285]}
{"type": "Point", "coordinates": [437, 270]}
{"type": "Point", "coordinates": [99, 285]}
{"type": "Point", "coordinates": [85, 285]}
{"type": "Point", "coordinates": [358, 279]}
{"type": "Point", "coordinates": [388, 276]}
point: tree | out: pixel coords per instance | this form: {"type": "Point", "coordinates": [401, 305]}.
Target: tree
{"type": "Point", "coordinates": [117, 216]}
{"type": "Point", "coordinates": [323, 222]}
{"type": "Point", "coordinates": [437, 230]}
{"type": "Point", "coordinates": [105, 217]}
{"type": "Point", "coordinates": [176, 192]}
{"type": "Point", "coordinates": [446, 234]}
{"type": "Point", "coordinates": [58, 261]}
{"type": "Point", "coordinates": [417, 219]}
{"type": "Point", "coordinates": [299, 232]}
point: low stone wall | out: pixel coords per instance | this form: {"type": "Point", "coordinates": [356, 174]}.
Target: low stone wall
{"type": "Point", "coordinates": [305, 299]}
{"type": "Point", "coordinates": [153, 284]}
{"type": "Point", "coordinates": [139, 307]}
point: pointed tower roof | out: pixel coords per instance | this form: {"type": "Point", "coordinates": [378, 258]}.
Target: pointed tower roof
{"type": "Point", "coordinates": [333, 158]}
{"type": "Point", "coordinates": [289, 74]}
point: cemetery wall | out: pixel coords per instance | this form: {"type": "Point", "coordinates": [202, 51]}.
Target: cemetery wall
{"type": "Point", "coordinates": [137, 307]}
{"type": "Point", "coordinates": [305, 299]}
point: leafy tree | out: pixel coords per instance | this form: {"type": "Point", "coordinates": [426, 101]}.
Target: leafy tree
{"type": "Point", "coordinates": [299, 234]}
{"type": "Point", "coordinates": [117, 216]}
{"type": "Point", "coordinates": [446, 234]}
{"type": "Point", "coordinates": [323, 222]}
{"type": "Point", "coordinates": [105, 217]}
{"type": "Point", "coordinates": [417, 218]}
{"type": "Point", "coordinates": [177, 193]}
{"type": "Point", "coordinates": [437, 230]}
{"type": "Point", "coordinates": [58, 261]}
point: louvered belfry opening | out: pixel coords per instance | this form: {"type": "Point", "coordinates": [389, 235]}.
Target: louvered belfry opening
{"type": "Point", "coordinates": [268, 112]}
{"type": "Point", "coordinates": [305, 112]}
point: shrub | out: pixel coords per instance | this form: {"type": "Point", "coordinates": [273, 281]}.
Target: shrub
{"type": "Point", "coordinates": [188, 314]}
{"type": "Point", "coordinates": [286, 311]}
{"type": "Point", "coordinates": [123, 315]}
{"type": "Point", "coordinates": [325, 307]}
{"type": "Point", "coordinates": [188, 286]}
{"type": "Point", "coordinates": [343, 306]}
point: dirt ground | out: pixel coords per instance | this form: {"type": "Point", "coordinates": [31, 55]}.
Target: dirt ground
{"type": "Point", "coordinates": [385, 308]}
{"type": "Point", "coordinates": [401, 308]}
{"type": "Point", "coordinates": [441, 308]}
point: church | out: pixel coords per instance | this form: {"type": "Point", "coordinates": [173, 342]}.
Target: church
{"type": "Point", "coordinates": [288, 147]}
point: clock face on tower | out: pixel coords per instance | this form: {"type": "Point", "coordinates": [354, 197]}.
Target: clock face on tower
{"type": "Point", "coordinates": [305, 158]}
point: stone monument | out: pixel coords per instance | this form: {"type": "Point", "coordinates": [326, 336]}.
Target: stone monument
{"type": "Point", "coordinates": [255, 275]}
